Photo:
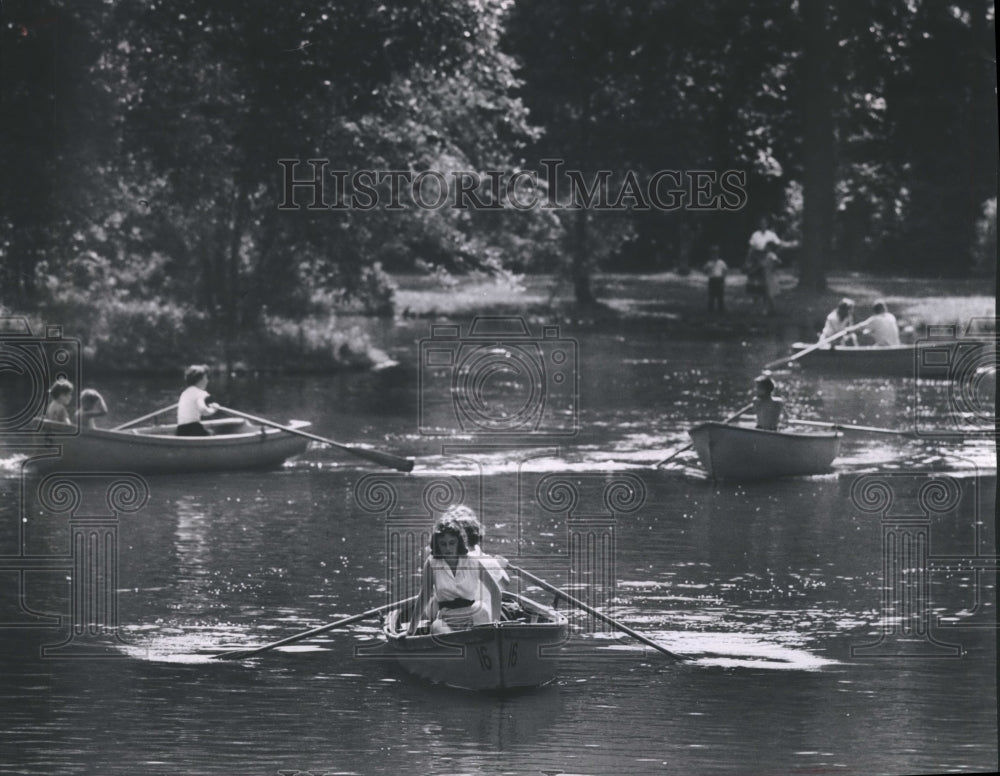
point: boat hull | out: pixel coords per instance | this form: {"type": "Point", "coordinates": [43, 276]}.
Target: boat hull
{"type": "Point", "coordinates": [740, 453]}
{"type": "Point", "coordinates": [510, 655]}
{"type": "Point", "coordinates": [157, 450]}
{"type": "Point", "coordinates": [926, 360]}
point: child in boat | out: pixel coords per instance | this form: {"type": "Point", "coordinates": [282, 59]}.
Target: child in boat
{"type": "Point", "coordinates": [60, 395]}
{"type": "Point", "coordinates": [91, 406]}
{"type": "Point", "coordinates": [468, 521]}
{"type": "Point", "coordinates": [768, 408]}
{"type": "Point", "coordinates": [465, 592]}
{"type": "Point", "coordinates": [193, 404]}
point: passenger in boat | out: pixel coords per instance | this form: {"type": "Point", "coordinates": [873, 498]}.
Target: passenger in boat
{"type": "Point", "coordinates": [193, 404]}
{"type": "Point", "coordinates": [60, 395]}
{"type": "Point", "coordinates": [465, 592]}
{"type": "Point", "coordinates": [92, 406]}
{"type": "Point", "coordinates": [769, 409]}
{"type": "Point", "coordinates": [882, 326]}
{"type": "Point", "coordinates": [838, 320]}
{"type": "Point", "coordinates": [495, 564]}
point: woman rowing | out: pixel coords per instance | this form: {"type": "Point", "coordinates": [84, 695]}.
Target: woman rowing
{"type": "Point", "coordinates": [462, 588]}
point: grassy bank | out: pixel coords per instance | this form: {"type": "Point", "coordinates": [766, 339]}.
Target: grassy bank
{"type": "Point", "coordinates": [678, 303]}
{"type": "Point", "coordinates": [142, 337]}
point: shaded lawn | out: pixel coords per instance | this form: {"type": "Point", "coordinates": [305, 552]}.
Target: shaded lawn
{"type": "Point", "coordinates": [679, 302]}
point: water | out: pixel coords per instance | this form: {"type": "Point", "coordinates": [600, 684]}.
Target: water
{"type": "Point", "coordinates": [774, 590]}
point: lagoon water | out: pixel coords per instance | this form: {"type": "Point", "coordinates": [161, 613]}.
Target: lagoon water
{"type": "Point", "coordinates": [829, 631]}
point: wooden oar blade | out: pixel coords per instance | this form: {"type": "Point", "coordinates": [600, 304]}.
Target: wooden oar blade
{"type": "Point", "coordinates": [375, 456]}
{"type": "Point", "coordinates": [384, 459]}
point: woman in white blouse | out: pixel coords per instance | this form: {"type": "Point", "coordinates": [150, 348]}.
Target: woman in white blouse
{"type": "Point", "coordinates": [463, 589]}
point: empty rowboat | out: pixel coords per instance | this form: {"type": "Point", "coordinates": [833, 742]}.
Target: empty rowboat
{"type": "Point", "coordinates": [516, 653]}
{"type": "Point", "coordinates": [734, 452]}
{"type": "Point", "coordinates": [234, 445]}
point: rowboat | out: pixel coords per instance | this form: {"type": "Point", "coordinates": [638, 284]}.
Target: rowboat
{"type": "Point", "coordinates": [234, 445]}
{"type": "Point", "coordinates": [515, 653]}
{"type": "Point", "coordinates": [735, 452]}
{"type": "Point", "coordinates": [927, 360]}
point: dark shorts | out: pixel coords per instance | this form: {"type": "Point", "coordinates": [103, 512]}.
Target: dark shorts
{"type": "Point", "coordinates": [193, 429]}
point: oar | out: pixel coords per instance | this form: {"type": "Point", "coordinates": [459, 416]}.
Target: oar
{"type": "Point", "coordinates": [853, 427]}
{"type": "Point", "coordinates": [241, 654]}
{"type": "Point", "coordinates": [384, 459]}
{"type": "Point", "coordinates": [137, 421]}
{"type": "Point", "coordinates": [816, 346]}
{"type": "Point", "coordinates": [689, 445]}
{"type": "Point", "coordinates": [590, 610]}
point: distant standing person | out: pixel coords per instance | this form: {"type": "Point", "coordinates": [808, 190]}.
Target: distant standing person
{"type": "Point", "coordinates": [769, 409]}
{"type": "Point", "coordinates": [838, 320]}
{"type": "Point", "coordinates": [193, 404]}
{"type": "Point", "coordinates": [716, 270]}
{"type": "Point", "coordinates": [60, 395]}
{"type": "Point", "coordinates": [769, 268]}
{"type": "Point", "coordinates": [760, 244]}
{"type": "Point", "coordinates": [92, 406]}
{"type": "Point", "coordinates": [882, 326]}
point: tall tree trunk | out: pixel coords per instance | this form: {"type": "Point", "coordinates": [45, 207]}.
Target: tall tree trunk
{"type": "Point", "coordinates": [818, 146]}
{"type": "Point", "coordinates": [580, 269]}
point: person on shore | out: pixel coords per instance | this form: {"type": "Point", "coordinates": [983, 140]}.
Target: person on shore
{"type": "Point", "coordinates": [839, 319]}
{"type": "Point", "coordinates": [716, 270]}
{"type": "Point", "coordinates": [769, 410]}
{"type": "Point", "coordinates": [92, 406]}
{"type": "Point", "coordinates": [464, 592]}
{"type": "Point", "coordinates": [756, 264]}
{"type": "Point", "coordinates": [496, 565]}
{"type": "Point", "coordinates": [193, 404]}
{"type": "Point", "coordinates": [882, 326]}
{"type": "Point", "coordinates": [769, 269]}
{"type": "Point", "coordinates": [60, 395]}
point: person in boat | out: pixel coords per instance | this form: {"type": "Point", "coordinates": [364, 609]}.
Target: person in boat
{"type": "Point", "coordinates": [716, 270]}
{"type": "Point", "coordinates": [495, 564]}
{"type": "Point", "coordinates": [193, 404]}
{"type": "Point", "coordinates": [60, 395]}
{"type": "Point", "coordinates": [92, 406]}
{"type": "Point", "coordinates": [838, 320]}
{"type": "Point", "coordinates": [882, 326]}
{"type": "Point", "coordinates": [464, 592]}
{"type": "Point", "coordinates": [769, 409]}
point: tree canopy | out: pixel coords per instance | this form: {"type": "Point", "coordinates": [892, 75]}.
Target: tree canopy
{"type": "Point", "coordinates": [142, 141]}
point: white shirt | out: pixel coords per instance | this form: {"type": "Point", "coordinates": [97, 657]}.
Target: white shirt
{"type": "Point", "coordinates": [464, 582]}
{"type": "Point", "coordinates": [492, 565]}
{"type": "Point", "coordinates": [716, 269]}
{"type": "Point", "coordinates": [192, 406]}
{"type": "Point", "coordinates": [884, 330]}
{"type": "Point", "coordinates": [760, 239]}
{"type": "Point", "coordinates": [834, 324]}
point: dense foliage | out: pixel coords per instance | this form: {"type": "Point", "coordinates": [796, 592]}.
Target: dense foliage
{"type": "Point", "coordinates": [141, 142]}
